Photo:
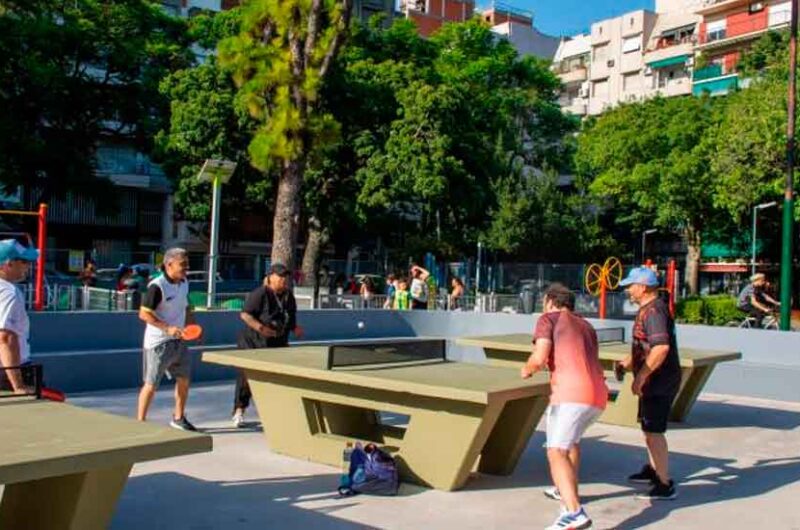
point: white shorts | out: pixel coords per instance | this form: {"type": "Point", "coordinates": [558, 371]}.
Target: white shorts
{"type": "Point", "coordinates": [566, 423]}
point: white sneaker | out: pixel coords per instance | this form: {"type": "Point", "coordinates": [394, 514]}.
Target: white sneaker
{"type": "Point", "coordinates": [552, 493]}
{"type": "Point", "coordinates": [572, 521]}
{"type": "Point", "coordinates": [238, 420]}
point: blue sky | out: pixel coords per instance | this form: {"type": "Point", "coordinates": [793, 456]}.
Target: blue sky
{"type": "Point", "coordinates": [568, 17]}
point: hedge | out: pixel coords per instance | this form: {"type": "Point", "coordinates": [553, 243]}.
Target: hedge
{"type": "Point", "coordinates": [715, 310]}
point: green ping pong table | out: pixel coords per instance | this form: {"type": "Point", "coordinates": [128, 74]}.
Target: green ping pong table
{"type": "Point", "coordinates": [64, 467]}
{"type": "Point", "coordinates": [460, 415]}
{"type": "Point", "coordinates": [696, 366]}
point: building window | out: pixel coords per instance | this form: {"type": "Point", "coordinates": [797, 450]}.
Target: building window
{"type": "Point", "coordinates": [632, 44]}
{"type": "Point", "coordinates": [600, 52]}
{"type": "Point", "coordinates": [715, 30]}
{"type": "Point", "coordinates": [631, 82]}
{"type": "Point", "coordinates": [780, 13]}
{"type": "Point", "coordinates": [755, 7]}
{"type": "Point", "coordinates": [600, 89]}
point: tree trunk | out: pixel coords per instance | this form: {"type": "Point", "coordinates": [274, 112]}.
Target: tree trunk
{"type": "Point", "coordinates": [287, 213]}
{"type": "Point", "coordinates": [317, 238]}
{"type": "Point", "coordinates": [692, 274]}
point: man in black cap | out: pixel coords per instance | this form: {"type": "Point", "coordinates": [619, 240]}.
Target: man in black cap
{"type": "Point", "coordinates": [269, 314]}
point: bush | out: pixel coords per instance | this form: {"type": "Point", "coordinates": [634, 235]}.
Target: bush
{"type": "Point", "coordinates": [715, 310]}
{"type": "Point", "coordinates": [691, 311]}
{"type": "Point", "coordinates": [721, 309]}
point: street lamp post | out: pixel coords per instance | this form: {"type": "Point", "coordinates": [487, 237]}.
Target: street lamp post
{"type": "Point", "coordinates": [756, 208]}
{"type": "Point", "coordinates": [218, 172]}
{"type": "Point", "coordinates": [644, 240]}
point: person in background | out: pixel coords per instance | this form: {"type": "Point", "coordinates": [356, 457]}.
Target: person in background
{"type": "Point", "coordinates": [269, 315]}
{"type": "Point", "coordinates": [419, 287]}
{"type": "Point", "coordinates": [456, 294]}
{"type": "Point", "coordinates": [166, 311]}
{"type": "Point", "coordinates": [88, 276]}
{"type": "Point", "coordinates": [754, 299]}
{"type": "Point", "coordinates": [367, 291]}
{"type": "Point", "coordinates": [15, 351]}
{"type": "Point", "coordinates": [391, 287]}
{"type": "Point", "coordinates": [402, 298]}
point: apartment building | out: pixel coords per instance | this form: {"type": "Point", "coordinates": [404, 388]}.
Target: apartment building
{"type": "Point", "coordinates": [571, 65]}
{"type": "Point", "coordinates": [517, 26]}
{"type": "Point", "coordinates": [617, 69]}
{"type": "Point", "coordinates": [669, 57]}
{"type": "Point", "coordinates": [430, 15]}
{"type": "Point", "coordinates": [727, 28]}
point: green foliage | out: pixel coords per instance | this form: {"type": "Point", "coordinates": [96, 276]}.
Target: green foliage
{"type": "Point", "coordinates": [74, 73]}
{"type": "Point", "coordinates": [714, 310]}
{"type": "Point", "coordinates": [690, 311]}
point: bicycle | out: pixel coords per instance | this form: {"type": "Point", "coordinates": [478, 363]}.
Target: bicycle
{"type": "Point", "coordinates": [770, 321]}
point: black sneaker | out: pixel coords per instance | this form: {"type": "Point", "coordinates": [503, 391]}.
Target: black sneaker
{"type": "Point", "coordinates": [182, 424]}
{"type": "Point", "coordinates": [660, 492]}
{"type": "Point", "coordinates": [646, 476]}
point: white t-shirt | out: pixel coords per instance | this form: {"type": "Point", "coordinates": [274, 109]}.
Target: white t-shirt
{"type": "Point", "coordinates": [14, 318]}
{"type": "Point", "coordinates": [419, 290]}
{"type": "Point", "coordinates": [168, 300]}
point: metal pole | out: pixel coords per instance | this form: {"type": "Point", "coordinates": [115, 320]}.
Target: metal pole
{"type": "Point", "coordinates": [212, 256]}
{"type": "Point", "coordinates": [478, 271]}
{"type": "Point", "coordinates": [753, 263]}
{"type": "Point", "coordinates": [788, 197]}
{"type": "Point", "coordinates": [38, 303]}
{"type": "Point", "coordinates": [644, 238]}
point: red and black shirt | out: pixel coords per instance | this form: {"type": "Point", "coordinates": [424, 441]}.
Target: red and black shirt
{"type": "Point", "coordinates": [654, 326]}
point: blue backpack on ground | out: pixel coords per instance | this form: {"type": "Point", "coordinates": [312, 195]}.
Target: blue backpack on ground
{"type": "Point", "coordinates": [372, 471]}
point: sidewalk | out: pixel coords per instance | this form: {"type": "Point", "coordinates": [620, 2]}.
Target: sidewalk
{"type": "Point", "coordinates": [736, 460]}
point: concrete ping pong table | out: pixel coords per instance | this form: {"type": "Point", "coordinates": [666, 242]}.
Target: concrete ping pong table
{"type": "Point", "coordinates": [64, 467]}
{"type": "Point", "coordinates": [696, 366]}
{"type": "Point", "coordinates": [461, 414]}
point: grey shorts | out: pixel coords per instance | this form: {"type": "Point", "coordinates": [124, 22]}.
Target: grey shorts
{"type": "Point", "coordinates": [172, 357]}
{"type": "Point", "coordinates": [566, 423]}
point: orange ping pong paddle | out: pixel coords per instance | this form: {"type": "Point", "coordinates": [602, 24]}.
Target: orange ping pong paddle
{"type": "Point", "coordinates": [192, 332]}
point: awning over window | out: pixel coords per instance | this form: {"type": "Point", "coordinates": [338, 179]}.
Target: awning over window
{"type": "Point", "coordinates": [669, 61]}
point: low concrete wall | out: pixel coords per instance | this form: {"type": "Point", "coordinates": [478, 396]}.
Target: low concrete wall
{"type": "Point", "coordinates": [91, 351]}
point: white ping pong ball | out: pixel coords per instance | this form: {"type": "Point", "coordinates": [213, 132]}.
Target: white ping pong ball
{"type": "Point", "coordinates": [360, 325]}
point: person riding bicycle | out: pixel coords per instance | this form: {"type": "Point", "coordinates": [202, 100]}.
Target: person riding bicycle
{"type": "Point", "coordinates": [754, 299]}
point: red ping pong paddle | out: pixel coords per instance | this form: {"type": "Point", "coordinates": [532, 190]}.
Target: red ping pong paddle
{"type": "Point", "coordinates": [51, 394]}
{"type": "Point", "coordinates": [192, 332]}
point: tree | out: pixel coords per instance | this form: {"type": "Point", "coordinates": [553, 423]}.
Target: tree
{"type": "Point", "coordinates": [466, 105]}
{"type": "Point", "coordinates": [279, 60]}
{"type": "Point", "coordinates": [75, 73]}
{"type": "Point", "coordinates": [205, 122]}
{"type": "Point", "coordinates": [648, 164]}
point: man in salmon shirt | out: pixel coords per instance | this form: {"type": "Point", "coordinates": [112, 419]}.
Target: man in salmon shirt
{"type": "Point", "coordinates": [566, 344]}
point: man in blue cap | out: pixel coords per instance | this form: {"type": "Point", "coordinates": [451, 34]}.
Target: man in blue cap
{"type": "Point", "coordinates": [15, 264]}
{"type": "Point", "coordinates": [656, 366]}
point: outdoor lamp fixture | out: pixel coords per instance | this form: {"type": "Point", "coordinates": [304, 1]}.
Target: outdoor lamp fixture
{"type": "Point", "coordinates": [217, 172]}
{"type": "Point", "coordinates": [756, 208]}
{"type": "Point", "coordinates": [644, 240]}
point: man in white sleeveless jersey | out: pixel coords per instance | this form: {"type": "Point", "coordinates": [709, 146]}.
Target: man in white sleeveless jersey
{"type": "Point", "coordinates": [165, 309]}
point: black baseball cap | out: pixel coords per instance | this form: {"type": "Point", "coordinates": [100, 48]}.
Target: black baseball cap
{"type": "Point", "coordinates": [279, 269]}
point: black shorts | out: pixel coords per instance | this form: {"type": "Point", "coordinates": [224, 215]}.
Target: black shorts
{"type": "Point", "coordinates": [654, 413]}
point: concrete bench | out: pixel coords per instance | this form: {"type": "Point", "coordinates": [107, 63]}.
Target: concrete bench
{"type": "Point", "coordinates": [696, 367]}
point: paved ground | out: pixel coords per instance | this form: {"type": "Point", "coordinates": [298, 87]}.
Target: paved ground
{"type": "Point", "coordinates": [737, 461]}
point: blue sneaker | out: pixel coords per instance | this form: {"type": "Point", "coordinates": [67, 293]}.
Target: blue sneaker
{"type": "Point", "coordinates": [572, 521]}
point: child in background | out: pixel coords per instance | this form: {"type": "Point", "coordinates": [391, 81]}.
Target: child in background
{"type": "Point", "coordinates": [402, 297]}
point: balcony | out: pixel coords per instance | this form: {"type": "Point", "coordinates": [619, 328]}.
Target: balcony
{"type": "Point", "coordinates": [709, 72]}
{"type": "Point", "coordinates": [679, 49]}
{"type": "Point", "coordinates": [739, 32]}
{"type": "Point", "coordinates": [576, 108]}
{"type": "Point", "coordinates": [714, 80]}
{"type": "Point", "coordinates": [576, 75]}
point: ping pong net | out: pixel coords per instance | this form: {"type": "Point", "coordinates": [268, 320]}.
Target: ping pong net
{"type": "Point", "coordinates": [31, 375]}
{"type": "Point", "coordinates": [392, 352]}
{"type": "Point", "coordinates": [605, 335]}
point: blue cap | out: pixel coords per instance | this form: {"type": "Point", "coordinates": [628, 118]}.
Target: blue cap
{"type": "Point", "coordinates": [641, 275]}
{"type": "Point", "coordinates": [11, 249]}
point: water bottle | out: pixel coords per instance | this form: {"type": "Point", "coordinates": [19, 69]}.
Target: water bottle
{"type": "Point", "coordinates": [344, 480]}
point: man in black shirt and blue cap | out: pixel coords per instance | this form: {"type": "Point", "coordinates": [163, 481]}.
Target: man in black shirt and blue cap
{"type": "Point", "coordinates": [655, 363]}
